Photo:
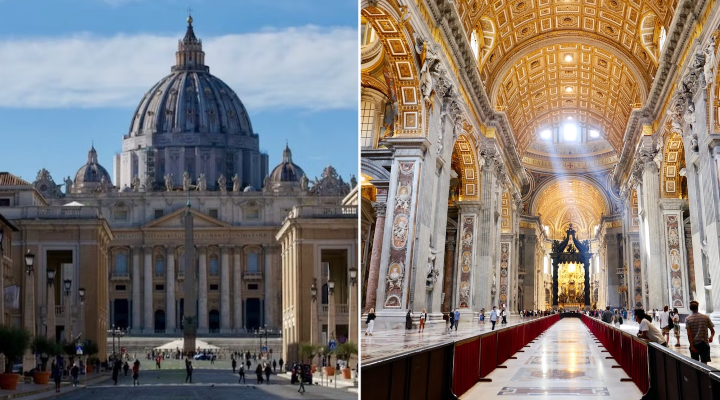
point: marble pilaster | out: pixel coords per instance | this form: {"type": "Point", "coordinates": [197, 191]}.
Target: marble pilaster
{"type": "Point", "coordinates": [225, 289]}
{"type": "Point", "coordinates": [487, 235]}
{"type": "Point", "coordinates": [466, 295]}
{"type": "Point", "coordinates": [653, 228]}
{"type": "Point", "coordinates": [202, 291]}
{"type": "Point", "coordinates": [450, 244]}
{"type": "Point", "coordinates": [136, 323]}
{"type": "Point", "coordinates": [170, 317]}
{"type": "Point", "coordinates": [149, 323]}
{"type": "Point", "coordinates": [237, 291]}
{"type": "Point", "coordinates": [374, 272]}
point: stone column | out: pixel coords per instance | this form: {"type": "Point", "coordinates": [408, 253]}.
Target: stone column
{"type": "Point", "coordinates": [674, 228]}
{"type": "Point", "coordinates": [29, 313]}
{"type": "Point", "coordinates": [528, 262]}
{"type": "Point", "coordinates": [237, 291]}
{"type": "Point", "coordinates": [269, 288]}
{"type": "Point", "coordinates": [374, 273]}
{"type": "Point", "coordinates": [613, 262]}
{"type": "Point", "coordinates": [448, 275]}
{"type": "Point", "coordinates": [653, 229]}
{"type": "Point", "coordinates": [136, 324]}
{"type": "Point", "coordinates": [170, 317]}
{"type": "Point", "coordinates": [331, 315]}
{"type": "Point", "coordinates": [148, 291]}
{"type": "Point", "coordinates": [225, 290]}
{"type": "Point", "coordinates": [314, 323]}
{"type": "Point", "coordinates": [51, 311]}
{"type": "Point", "coordinates": [487, 235]}
{"type": "Point", "coordinates": [202, 292]}
{"type": "Point", "coordinates": [468, 279]}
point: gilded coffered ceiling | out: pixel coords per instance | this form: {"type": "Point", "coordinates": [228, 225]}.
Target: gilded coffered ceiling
{"type": "Point", "coordinates": [570, 201]}
{"type": "Point", "coordinates": [544, 61]}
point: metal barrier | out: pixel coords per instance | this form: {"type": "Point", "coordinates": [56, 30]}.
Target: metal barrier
{"type": "Point", "coordinates": [676, 376]}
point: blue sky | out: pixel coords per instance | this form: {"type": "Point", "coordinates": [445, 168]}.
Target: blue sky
{"type": "Point", "coordinates": [75, 70]}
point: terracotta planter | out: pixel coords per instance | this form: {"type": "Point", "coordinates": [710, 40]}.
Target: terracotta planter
{"type": "Point", "coordinates": [346, 373]}
{"type": "Point", "coordinates": [9, 381]}
{"type": "Point", "coordinates": [329, 371]}
{"type": "Point", "coordinates": [41, 378]}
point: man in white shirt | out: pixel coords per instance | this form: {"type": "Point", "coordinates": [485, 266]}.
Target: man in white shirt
{"type": "Point", "coordinates": [664, 323]}
{"type": "Point", "coordinates": [647, 330]}
{"type": "Point", "coordinates": [493, 317]}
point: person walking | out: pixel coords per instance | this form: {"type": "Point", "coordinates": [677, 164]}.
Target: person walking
{"type": "Point", "coordinates": [248, 364]}
{"type": "Point", "coordinates": [370, 324]}
{"type": "Point", "coordinates": [504, 316]}
{"type": "Point", "coordinates": [74, 372]}
{"type": "Point", "coordinates": [423, 315]}
{"type": "Point", "coordinates": [451, 320]}
{"type": "Point", "coordinates": [136, 373]}
{"type": "Point", "coordinates": [665, 323]}
{"type": "Point", "coordinates": [126, 367]}
{"type": "Point", "coordinates": [697, 325]}
{"type": "Point", "coordinates": [188, 370]}
{"type": "Point", "coordinates": [259, 373]}
{"type": "Point", "coordinates": [281, 362]}
{"type": "Point", "coordinates": [57, 376]}
{"type": "Point", "coordinates": [241, 373]}
{"type": "Point", "coordinates": [302, 383]}
{"type": "Point", "coordinates": [457, 318]}
{"type": "Point", "coordinates": [481, 317]}
{"type": "Point", "coordinates": [607, 315]}
{"type": "Point", "coordinates": [115, 371]}
{"type": "Point", "coordinates": [676, 327]}
{"type": "Point", "coordinates": [158, 359]}
{"type": "Point", "coordinates": [408, 320]}
{"type": "Point", "coordinates": [268, 371]}
{"type": "Point", "coordinates": [234, 364]}
{"type": "Point", "coordinates": [274, 366]}
{"type": "Point", "coordinates": [648, 331]}
{"type": "Point", "coordinates": [493, 317]}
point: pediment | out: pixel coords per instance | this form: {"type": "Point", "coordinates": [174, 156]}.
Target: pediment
{"type": "Point", "coordinates": [175, 220]}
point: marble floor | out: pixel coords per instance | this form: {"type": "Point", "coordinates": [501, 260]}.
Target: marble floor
{"type": "Point", "coordinates": [563, 363]}
{"type": "Point", "coordinates": [385, 344]}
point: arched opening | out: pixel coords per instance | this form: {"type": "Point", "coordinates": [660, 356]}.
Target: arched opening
{"type": "Point", "coordinates": [121, 313]}
{"type": "Point", "coordinates": [214, 321]}
{"type": "Point", "coordinates": [252, 318]}
{"type": "Point", "coordinates": [159, 321]}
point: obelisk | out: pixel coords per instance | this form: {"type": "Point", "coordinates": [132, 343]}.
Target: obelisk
{"type": "Point", "coordinates": [190, 308]}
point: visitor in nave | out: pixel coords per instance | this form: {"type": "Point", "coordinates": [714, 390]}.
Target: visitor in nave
{"type": "Point", "coordinates": [647, 330]}
{"type": "Point", "coordinates": [697, 325]}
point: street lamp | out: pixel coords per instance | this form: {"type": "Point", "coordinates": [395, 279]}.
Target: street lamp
{"type": "Point", "coordinates": [353, 276]}
{"type": "Point", "coordinates": [68, 285]}
{"type": "Point", "coordinates": [50, 304]}
{"type": "Point", "coordinates": [68, 311]}
{"type": "Point", "coordinates": [50, 277]}
{"type": "Point", "coordinates": [313, 291]}
{"type": "Point", "coordinates": [331, 287]}
{"type": "Point", "coordinates": [29, 261]}
{"type": "Point", "coordinates": [81, 292]}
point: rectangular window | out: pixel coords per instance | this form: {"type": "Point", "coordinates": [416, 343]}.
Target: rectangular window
{"type": "Point", "coordinates": [120, 215]}
{"type": "Point", "coordinates": [159, 213]}
{"type": "Point", "coordinates": [120, 287]}
{"type": "Point", "coordinates": [4, 202]}
{"type": "Point", "coordinates": [214, 267]}
{"type": "Point", "coordinates": [367, 124]}
{"type": "Point", "coordinates": [252, 264]}
{"type": "Point", "coordinates": [213, 213]}
{"type": "Point", "coordinates": [252, 214]}
{"type": "Point", "coordinates": [253, 286]}
{"type": "Point", "coordinates": [121, 267]}
{"type": "Point", "coordinates": [214, 287]}
{"type": "Point", "coordinates": [159, 288]}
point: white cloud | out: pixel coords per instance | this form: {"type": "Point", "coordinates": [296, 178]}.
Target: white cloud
{"type": "Point", "coordinates": [304, 67]}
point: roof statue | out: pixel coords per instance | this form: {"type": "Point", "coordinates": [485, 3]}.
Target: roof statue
{"type": "Point", "coordinates": [330, 184]}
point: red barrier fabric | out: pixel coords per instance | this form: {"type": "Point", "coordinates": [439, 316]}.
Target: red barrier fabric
{"type": "Point", "coordinates": [627, 360]}
{"type": "Point", "coordinates": [617, 346]}
{"type": "Point", "coordinates": [502, 346]}
{"type": "Point", "coordinates": [488, 354]}
{"type": "Point", "coordinates": [640, 365]}
{"type": "Point", "coordinates": [465, 374]}
{"type": "Point", "coordinates": [513, 340]}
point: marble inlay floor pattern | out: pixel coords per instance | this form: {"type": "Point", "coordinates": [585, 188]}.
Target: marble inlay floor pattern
{"type": "Point", "coordinates": [388, 343]}
{"type": "Point", "coordinates": [563, 363]}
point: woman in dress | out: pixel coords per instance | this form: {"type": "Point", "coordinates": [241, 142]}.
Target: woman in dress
{"type": "Point", "coordinates": [676, 328]}
{"type": "Point", "coordinates": [408, 320]}
{"type": "Point", "coordinates": [370, 323]}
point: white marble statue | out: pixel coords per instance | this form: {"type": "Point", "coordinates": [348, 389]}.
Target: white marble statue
{"type": "Point", "coordinates": [708, 68]}
{"type": "Point", "coordinates": [201, 183]}
{"type": "Point", "coordinates": [186, 181]}
{"type": "Point", "coordinates": [222, 183]}
{"type": "Point", "coordinates": [68, 185]}
{"type": "Point", "coordinates": [135, 183]}
{"type": "Point", "coordinates": [432, 271]}
{"type": "Point", "coordinates": [236, 183]}
{"type": "Point", "coordinates": [304, 181]}
{"type": "Point", "coordinates": [169, 182]}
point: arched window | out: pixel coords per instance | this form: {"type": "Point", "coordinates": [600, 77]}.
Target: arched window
{"type": "Point", "coordinates": [475, 45]}
{"type": "Point", "coordinates": [214, 267]}
{"type": "Point", "coordinates": [121, 267]}
{"type": "Point", "coordinates": [367, 124]}
{"type": "Point", "coordinates": [367, 34]}
{"type": "Point", "coordinates": [159, 265]}
{"type": "Point", "coordinates": [252, 264]}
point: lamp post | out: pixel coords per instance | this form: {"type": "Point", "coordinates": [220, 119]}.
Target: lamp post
{"type": "Point", "coordinates": [50, 326]}
{"type": "Point", "coordinates": [331, 310]}
{"type": "Point", "coordinates": [353, 305]}
{"type": "Point", "coordinates": [68, 311]}
{"type": "Point", "coordinates": [29, 307]}
{"type": "Point", "coordinates": [81, 294]}
{"type": "Point", "coordinates": [313, 313]}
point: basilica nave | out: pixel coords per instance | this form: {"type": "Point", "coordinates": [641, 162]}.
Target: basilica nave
{"type": "Point", "coordinates": [537, 154]}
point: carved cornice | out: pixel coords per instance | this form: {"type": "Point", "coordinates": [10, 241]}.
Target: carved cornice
{"type": "Point", "coordinates": [683, 23]}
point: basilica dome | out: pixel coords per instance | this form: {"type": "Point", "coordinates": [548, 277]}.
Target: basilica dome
{"type": "Point", "coordinates": [92, 176]}
{"type": "Point", "coordinates": [286, 171]}
{"type": "Point", "coordinates": [190, 121]}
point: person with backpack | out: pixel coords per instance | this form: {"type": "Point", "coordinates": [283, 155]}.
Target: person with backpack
{"type": "Point", "coordinates": [241, 373]}
{"type": "Point", "coordinates": [136, 373]}
{"type": "Point", "coordinates": [74, 372]}
{"type": "Point", "coordinates": [234, 364]}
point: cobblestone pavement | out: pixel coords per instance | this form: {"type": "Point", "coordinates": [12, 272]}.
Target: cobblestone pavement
{"type": "Point", "coordinates": [170, 384]}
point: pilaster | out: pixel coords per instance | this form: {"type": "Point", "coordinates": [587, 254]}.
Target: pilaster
{"type": "Point", "coordinates": [148, 317]}
{"type": "Point", "coordinates": [202, 291]}
{"type": "Point", "coordinates": [468, 275]}
{"type": "Point", "coordinates": [170, 317]}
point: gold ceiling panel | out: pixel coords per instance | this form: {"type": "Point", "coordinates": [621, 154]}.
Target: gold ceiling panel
{"type": "Point", "coordinates": [570, 201]}
{"type": "Point", "coordinates": [554, 83]}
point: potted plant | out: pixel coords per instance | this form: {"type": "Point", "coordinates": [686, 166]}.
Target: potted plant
{"type": "Point", "coordinates": [329, 370]}
{"type": "Point", "coordinates": [344, 352]}
{"type": "Point", "coordinates": [13, 344]}
{"type": "Point", "coordinates": [90, 348]}
{"type": "Point", "coordinates": [46, 348]}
